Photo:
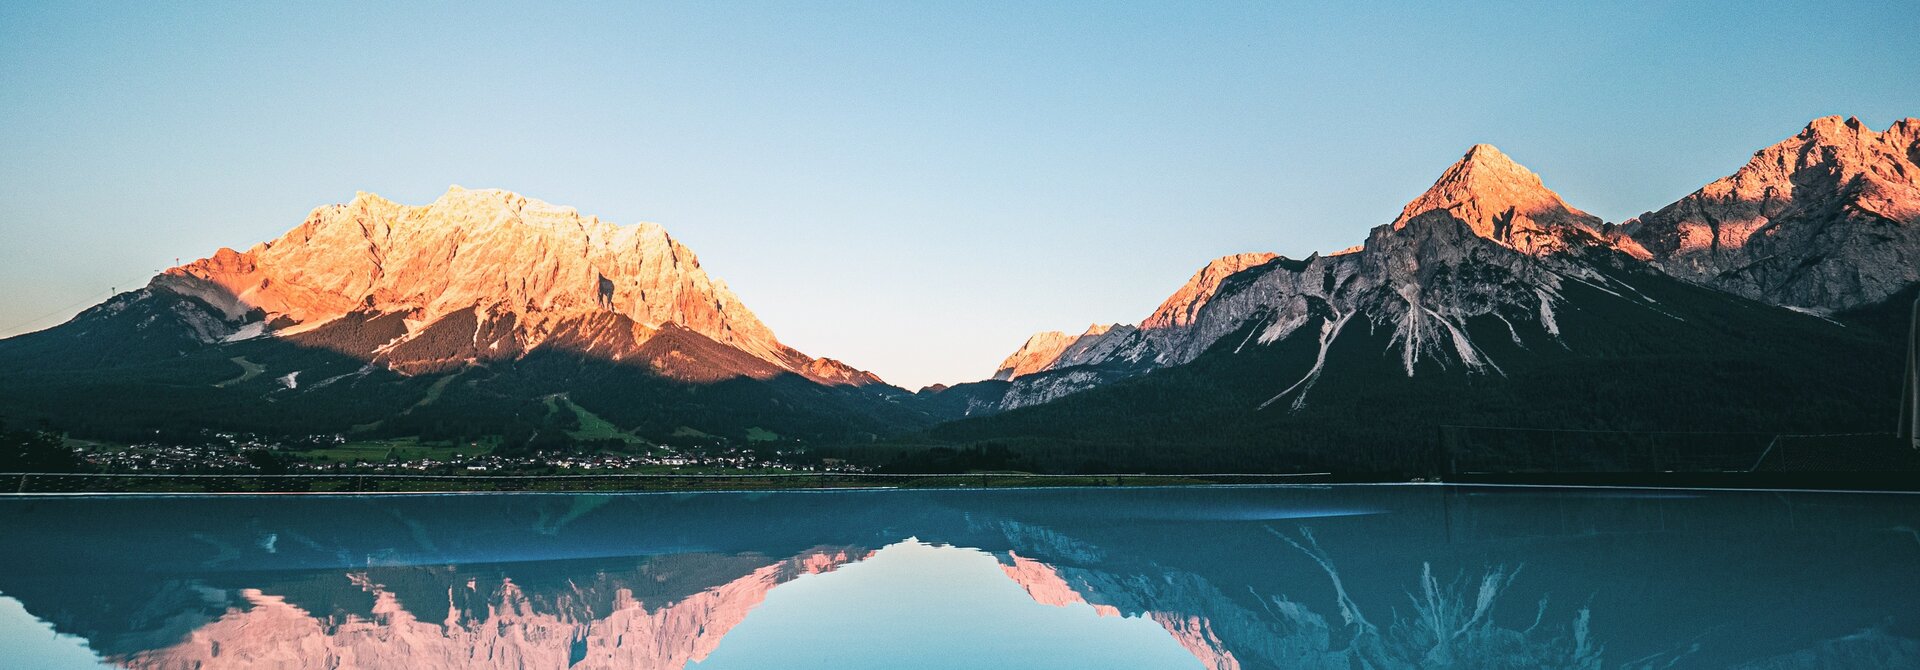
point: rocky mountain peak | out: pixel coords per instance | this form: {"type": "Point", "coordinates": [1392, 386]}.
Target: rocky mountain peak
{"type": "Point", "coordinates": [520, 269]}
{"type": "Point", "coordinates": [1832, 129]}
{"type": "Point", "coordinates": [1036, 354]}
{"type": "Point", "coordinates": [1491, 156]}
{"type": "Point", "coordinates": [1827, 219]}
{"type": "Point", "coordinates": [1501, 201]}
{"type": "Point", "coordinates": [1184, 305]}
{"type": "Point", "coordinates": [1105, 343]}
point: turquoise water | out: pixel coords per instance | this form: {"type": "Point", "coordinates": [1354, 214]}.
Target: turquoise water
{"type": "Point", "coordinates": [1261, 577]}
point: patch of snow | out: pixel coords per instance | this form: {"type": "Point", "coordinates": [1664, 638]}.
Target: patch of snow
{"type": "Point", "coordinates": [1821, 314]}
{"type": "Point", "coordinates": [1546, 313]}
{"type": "Point", "coordinates": [247, 332]}
{"type": "Point", "coordinates": [1245, 340]}
{"type": "Point", "coordinates": [1328, 331]}
{"type": "Point", "coordinates": [291, 380]}
{"type": "Point", "coordinates": [1407, 333]}
{"type": "Point", "coordinates": [1464, 346]}
{"type": "Point", "coordinates": [1283, 327]}
{"type": "Point", "coordinates": [1636, 291]}
{"type": "Point", "coordinates": [1598, 287]}
{"type": "Point", "coordinates": [362, 372]}
{"type": "Point", "coordinates": [1511, 331]}
{"type": "Point", "coordinates": [1649, 304]}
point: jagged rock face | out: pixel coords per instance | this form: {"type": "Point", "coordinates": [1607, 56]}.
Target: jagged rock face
{"type": "Point", "coordinates": [1043, 388]}
{"type": "Point", "coordinates": [1099, 343]}
{"type": "Point", "coordinates": [1487, 240]}
{"type": "Point", "coordinates": [1063, 364]}
{"type": "Point", "coordinates": [1502, 201]}
{"type": "Point", "coordinates": [1826, 220]}
{"type": "Point", "coordinates": [1181, 308]}
{"type": "Point", "coordinates": [1422, 282]}
{"type": "Point", "coordinates": [1053, 350]}
{"type": "Point", "coordinates": [477, 275]}
{"type": "Point", "coordinates": [1487, 237]}
{"type": "Point", "coordinates": [1038, 353]}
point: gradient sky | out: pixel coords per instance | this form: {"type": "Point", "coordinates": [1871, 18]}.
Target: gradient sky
{"type": "Point", "coordinates": [910, 187]}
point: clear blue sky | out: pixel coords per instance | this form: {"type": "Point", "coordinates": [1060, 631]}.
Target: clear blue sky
{"type": "Point", "coordinates": [911, 187]}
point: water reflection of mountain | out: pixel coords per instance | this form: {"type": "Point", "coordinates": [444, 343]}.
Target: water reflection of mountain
{"type": "Point", "coordinates": [615, 616]}
{"type": "Point", "coordinates": [1243, 578]}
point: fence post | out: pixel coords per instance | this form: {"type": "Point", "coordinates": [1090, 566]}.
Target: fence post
{"type": "Point", "coordinates": [23, 483]}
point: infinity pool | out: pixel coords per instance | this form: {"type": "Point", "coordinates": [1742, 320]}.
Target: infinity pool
{"type": "Point", "coordinates": [1218, 578]}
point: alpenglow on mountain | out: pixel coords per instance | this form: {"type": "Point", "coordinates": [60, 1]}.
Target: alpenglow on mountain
{"type": "Point", "coordinates": [476, 276]}
{"type": "Point", "coordinates": [1826, 220]}
{"type": "Point", "coordinates": [1761, 303]}
{"type": "Point", "coordinates": [481, 314]}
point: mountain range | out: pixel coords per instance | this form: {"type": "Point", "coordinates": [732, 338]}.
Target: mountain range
{"type": "Point", "coordinates": [1491, 301]}
{"type": "Point", "coordinates": [1766, 301]}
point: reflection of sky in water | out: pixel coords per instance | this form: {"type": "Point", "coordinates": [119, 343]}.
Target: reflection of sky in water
{"type": "Point", "coordinates": [1260, 577]}
{"type": "Point", "coordinates": [909, 600]}
{"type": "Point", "coordinates": [32, 642]}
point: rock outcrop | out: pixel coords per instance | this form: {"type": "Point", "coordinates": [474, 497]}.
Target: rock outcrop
{"type": "Point", "coordinates": [1827, 220]}
{"type": "Point", "coordinates": [1036, 354]}
{"type": "Point", "coordinates": [1054, 350]}
{"type": "Point", "coordinates": [1183, 307]}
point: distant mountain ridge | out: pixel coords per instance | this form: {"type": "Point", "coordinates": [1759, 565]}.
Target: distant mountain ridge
{"type": "Point", "coordinates": [1445, 260]}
